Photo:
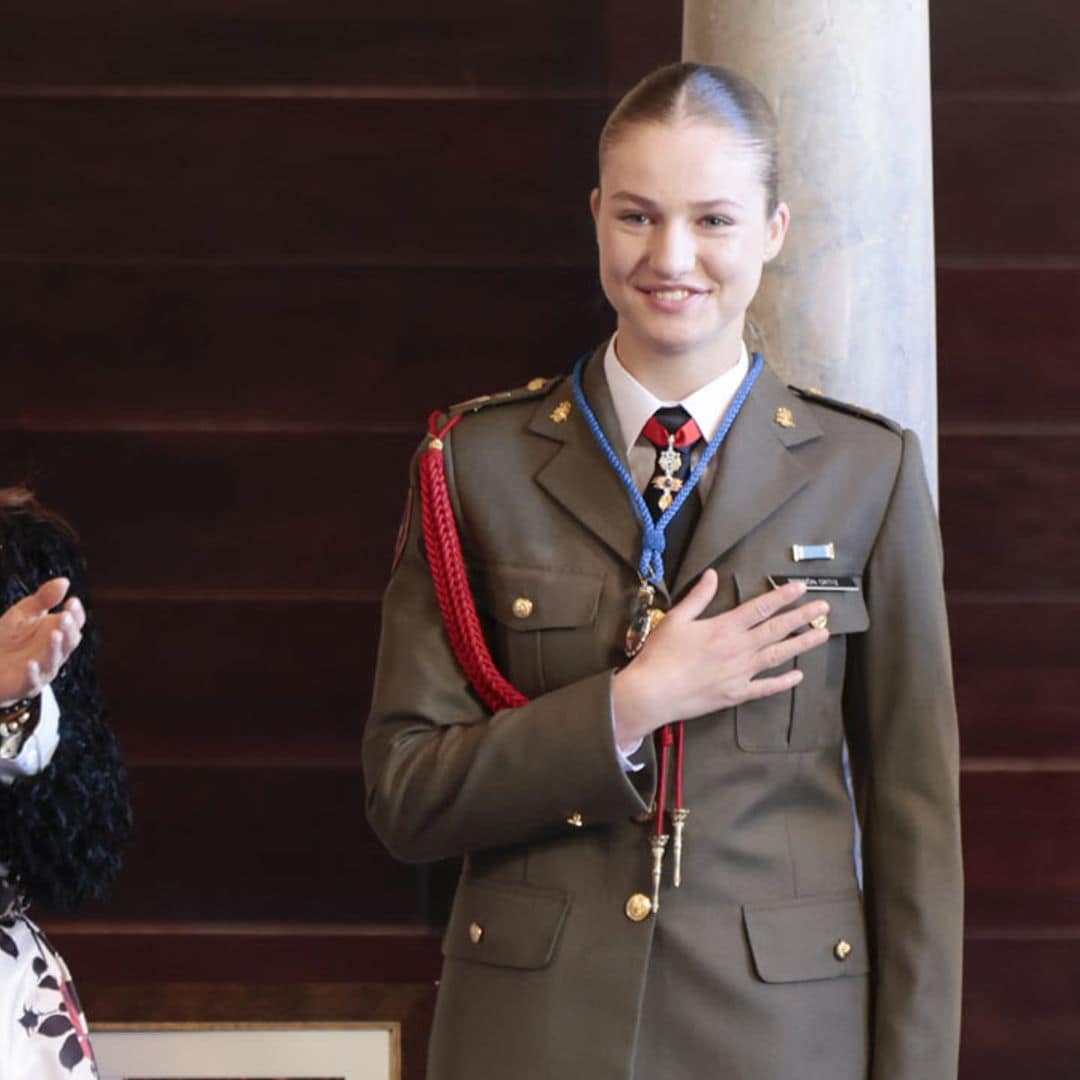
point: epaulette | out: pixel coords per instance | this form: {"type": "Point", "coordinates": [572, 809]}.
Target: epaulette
{"type": "Point", "coordinates": [818, 398]}
{"type": "Point", "coordinates": [533, 388]}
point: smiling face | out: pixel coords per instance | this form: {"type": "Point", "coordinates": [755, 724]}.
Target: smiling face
{"type": "Point", "coordinates": [683, 232]}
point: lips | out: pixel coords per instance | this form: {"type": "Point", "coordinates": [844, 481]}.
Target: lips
{"type": "Point", "coordinates": [670, 298]}
{"type": "Point", "coordinates": [671, 292]}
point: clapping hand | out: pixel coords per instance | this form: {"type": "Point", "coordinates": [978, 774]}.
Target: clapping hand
{"type": "Point", "coordinates": [34, 644]}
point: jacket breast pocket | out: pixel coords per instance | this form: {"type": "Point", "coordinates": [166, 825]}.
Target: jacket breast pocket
{"type": "Point", "coordinates": [808, 717]}
{"type": "Point", "coordinates": [807, 939]}
{"type": "Point", "coordinates": [504, 924]}
{"type": "Point", "coordinates": [545, 625]}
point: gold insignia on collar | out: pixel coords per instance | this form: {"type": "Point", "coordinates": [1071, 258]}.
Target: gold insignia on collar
{"type": "Point", "coordinates": [561, 412]}
{"type": "Point", "coordinates": [784, 417]}
{"type": "Point", "coordinates": [536, 384]}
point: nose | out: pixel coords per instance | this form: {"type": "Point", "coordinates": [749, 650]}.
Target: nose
{"type": "Point", "coordinates": [671, 253]}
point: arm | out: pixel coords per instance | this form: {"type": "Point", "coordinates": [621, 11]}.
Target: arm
{"type": "Point", "coordinates": [61, 831]}
{"type": "Point", "coordinates": [444, 777]}
{"type": "Point", "coordinates": [902, 730]}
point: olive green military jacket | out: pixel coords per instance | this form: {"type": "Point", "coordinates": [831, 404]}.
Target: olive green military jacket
{"type": "Point", "coordinates": [769, 962]}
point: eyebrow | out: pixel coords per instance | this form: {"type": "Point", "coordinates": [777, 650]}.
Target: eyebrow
{"type": "Point", "coordinates": [704, 204]}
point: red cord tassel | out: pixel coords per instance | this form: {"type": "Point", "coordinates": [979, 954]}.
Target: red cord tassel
{"type": "Point", "coordinates": [451, 581]}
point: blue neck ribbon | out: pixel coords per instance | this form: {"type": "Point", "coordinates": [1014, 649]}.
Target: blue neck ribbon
{"type": "Point", "coordinates": [651, 565]}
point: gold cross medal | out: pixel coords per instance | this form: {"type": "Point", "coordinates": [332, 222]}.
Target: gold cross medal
{"type": "Point", "coordinates": [670, 460]}
{"type": "Point", "coordinates": [643, 622]}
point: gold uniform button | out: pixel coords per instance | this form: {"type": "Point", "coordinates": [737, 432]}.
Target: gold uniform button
{"type": "Point", "coordinates": [522, 607]}
{"type": "Point", "coordinates": [476, 933]}
{"type": "Point", "coordinates": [536, 384]}
{"type": "Point", "coordinates": [820, 622]}
{"type": "Point", "coordinates": [576, 819]}
{"type": "Point", "coordinates": [638, 907]}
{"type": "Point", "coordinates": [841, 950]}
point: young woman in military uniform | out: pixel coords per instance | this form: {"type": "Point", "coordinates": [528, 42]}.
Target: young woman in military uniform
{"type": "Point", "coordinates": [667, 873]}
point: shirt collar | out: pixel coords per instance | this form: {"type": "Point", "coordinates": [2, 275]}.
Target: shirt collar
{"type": "Point", "coordinates": [634, 404]}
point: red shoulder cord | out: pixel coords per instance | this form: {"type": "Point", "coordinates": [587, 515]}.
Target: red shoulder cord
{"type": "Point", "coordinates": [462, 623]}
{"type": "Point", "coordinates": [451, 581]}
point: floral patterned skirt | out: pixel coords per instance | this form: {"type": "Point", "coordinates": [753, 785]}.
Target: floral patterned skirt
{"type": "Point", "coordinates": [42, 1028]}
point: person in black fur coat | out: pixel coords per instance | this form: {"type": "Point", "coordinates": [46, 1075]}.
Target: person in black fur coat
{"type": "Point", "coordinates": [64, 807]}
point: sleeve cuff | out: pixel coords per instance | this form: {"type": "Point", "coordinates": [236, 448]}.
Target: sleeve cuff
{"type": "Point", "coordinates": [39, 748]}
{"type": "Point", "coordinates": [626, 756]}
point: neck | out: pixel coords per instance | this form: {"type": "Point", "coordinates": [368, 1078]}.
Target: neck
{"type": "Point", "coordinates": [675, 376]}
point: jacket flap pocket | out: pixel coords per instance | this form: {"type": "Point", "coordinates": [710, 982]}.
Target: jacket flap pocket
{"type": "Point", "coordinates": [504, 924]}
{"type": "Point", "coordinates": [847, 608]}
{"type": "Point", "coordinates": [529, 598]}
{"type": "Point", "coordinates": [800, 940]}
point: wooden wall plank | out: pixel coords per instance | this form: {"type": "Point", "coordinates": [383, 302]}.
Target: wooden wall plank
{"type": "Point", "coordinates": [299, 344]}
{"type": "Point", "coordinates": [1020, 1009]}
{"type": "Point", "coordinates": [261, 845]}
{"type": "Point", "coordinates": [264, 669]}
{"type": "Point", "coordinates": [1009, 514]}
{"type": "Point", "coordinates": [292, 844]}
{"type": "Point", "coordinates": [128, 344]}
{"type": "Point", "coordinates": [268, 953]}
{"type": "Point", "coordinates": [1004, 175]}
{"type": "Point", "coordinates": [227, 505]}
{"type": "Point", "coordinates": [1017, 678]}
{"type": "Point", "coordinates": [1001, 46]}
{"type": "Point", "coordinates": [1021, 862]}
{"type": "Point", "coordinates": [398, 181]}
{"type": "Point", "coordinates": [224, 512]}
{"type": "Point", "coordinates": [1004, 342]}
{"type": "Point", "coordinates": [529, 45]}
{"type": "Point", "coordinates": [394, 182]}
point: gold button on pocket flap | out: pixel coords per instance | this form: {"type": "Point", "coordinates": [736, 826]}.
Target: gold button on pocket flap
{"type": "Point", "coordinates": [524, 598]}
{"type": "Point", "coordinates": [801, 940]}
{"type": "Point", "coordinates": [504, 923]}
{"type": "Point", "coordinates": [638, 907]}
{"type": "Point", "coordinates": [576, 820]}
{"type": "Point", "coordinates": [847, 608]}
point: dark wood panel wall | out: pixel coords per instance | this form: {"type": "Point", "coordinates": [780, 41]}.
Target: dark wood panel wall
{"type": "Point", "coordinates": [244, 248]}
{"type": "Point", "coordinates": [1007, 151]}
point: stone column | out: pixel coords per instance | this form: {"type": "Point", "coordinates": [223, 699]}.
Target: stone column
{"type": "Point", "coordinates": [848, 307]}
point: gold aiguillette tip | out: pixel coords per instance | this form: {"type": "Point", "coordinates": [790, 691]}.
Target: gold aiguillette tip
{"type": "Point", "coordinates": [678, 820]}
{"type": "Point", "coordinates": [658, 844]}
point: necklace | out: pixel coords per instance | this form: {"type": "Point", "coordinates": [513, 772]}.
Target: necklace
{"type": "Point", "coordinates": [651, 564]}
{"type": "Point", "coordinates": [650, 575]}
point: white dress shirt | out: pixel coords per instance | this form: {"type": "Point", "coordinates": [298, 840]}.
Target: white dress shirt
{"type": "Point", "coordinates": [634, 405]}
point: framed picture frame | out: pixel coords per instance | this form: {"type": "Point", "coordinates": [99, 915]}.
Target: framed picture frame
{"type": "Point", "coordinates": [248, 1051]}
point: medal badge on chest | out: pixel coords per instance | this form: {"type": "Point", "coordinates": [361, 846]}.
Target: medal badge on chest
{"type": "Point", "coordinates": [645, 619]}
{"type": "Point", "coordinates": [670, 461]}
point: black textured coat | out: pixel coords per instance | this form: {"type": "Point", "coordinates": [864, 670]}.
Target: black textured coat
{"type": "Point", "coordinates": [61, 832]}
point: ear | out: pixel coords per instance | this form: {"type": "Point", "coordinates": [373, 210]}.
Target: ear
{"type": "Point", "coordinates": [776, 230]}
{"type": "Point", "coordinates": [594, 205]}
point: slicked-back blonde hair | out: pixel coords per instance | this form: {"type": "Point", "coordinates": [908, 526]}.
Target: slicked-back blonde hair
{"type": "Point", "coordinates": [706, 92]}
